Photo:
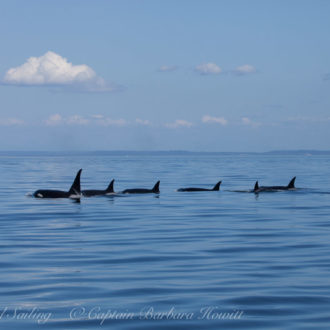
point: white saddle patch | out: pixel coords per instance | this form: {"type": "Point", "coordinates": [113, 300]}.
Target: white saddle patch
{"type": "Point", "coordinates": [75, 196]}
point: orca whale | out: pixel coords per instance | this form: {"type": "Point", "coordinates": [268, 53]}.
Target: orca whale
{"type": "Point", "coordinates": [73, 193]}
{"type": "Point", "coordinates": [92, 192]}
{"type": "Point", "coordinates": [154, 190]}
{"type": "Point", "coordinates": [215, 188]}
{"type": "Point", "coordinates": [258, 188]}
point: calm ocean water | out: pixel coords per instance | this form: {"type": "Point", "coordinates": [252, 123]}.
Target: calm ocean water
{"type": "Point", "coordinates": [205, 260]}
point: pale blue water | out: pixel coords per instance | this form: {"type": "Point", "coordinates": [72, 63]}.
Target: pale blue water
{"type": "Point", "coordinates": [264, 259]}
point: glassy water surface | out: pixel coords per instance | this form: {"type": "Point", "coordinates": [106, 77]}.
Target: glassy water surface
{"type": "Point", "coordinates": [202, 260]}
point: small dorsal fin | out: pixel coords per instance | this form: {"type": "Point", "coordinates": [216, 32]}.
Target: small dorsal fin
{"type": "Point", "coordinates": [155, 189]}
{"type": "Point", "coordinates": [75, 188]}
{"type": "Point", "coordinates": [291, 183]}
{"type": "Point", "coordinates": [256, 186]}
{"type": "Point", "coordinates": [217, 186]}
{"type": "Point", "coordinates": [110, 187]}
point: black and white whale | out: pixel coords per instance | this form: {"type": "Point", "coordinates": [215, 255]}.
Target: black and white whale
{"type": "Point", "coordinates": [215, 188]}
{"type": "Point", "coordinates": [93, 192]}
{"type": "Point", "coordinates": [154, 190]}
{"type": "Point", "coordinates": [74, 192]}
{"type": "Point", "coordinates": [258, 188]}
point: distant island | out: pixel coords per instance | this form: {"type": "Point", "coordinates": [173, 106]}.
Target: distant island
{"type": "Point", "coordinates": [306, 152]}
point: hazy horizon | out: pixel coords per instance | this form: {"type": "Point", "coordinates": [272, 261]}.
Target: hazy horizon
{"type": "Point", "coordinates": [298, 151]}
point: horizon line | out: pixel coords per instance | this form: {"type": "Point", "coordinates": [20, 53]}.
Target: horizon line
{"type": "Point", "coordinates": [286, 151]}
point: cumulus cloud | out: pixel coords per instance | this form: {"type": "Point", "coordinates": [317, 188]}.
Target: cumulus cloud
{"type": "Point", "coordinates": [143, 122]}
{"type": "Point", "coordinates": [168, 68]}
{"type": "Point", "coordinates": [208, 68]}
{"type": "Point", "coordinates": [11, 122]}
{"type": "Point", "coordinates": [179, 123]}
{"type": "Point", "coordinates": [100, 120]}
{"type": "Point", "coordinates": [112, 122]}
{"type": "Point", "coordinates": [106, 121]}
{"type": "Point", "coordinates": [57, 119]}
{"type": "Point", "coordinates": [52, 69]}
{"type": "Point", "coordinates": [97, 116]}
{"type": "Point", "coordinates": [54, 120]}
{"type": "Point", "coordinates": [244, 70]}
{"type": "Point", "coordinates": [218, 120]}
{"type": "Point", "coordinates": [77, 120]}
{"type": "Point", "coordinates": [248, 122]}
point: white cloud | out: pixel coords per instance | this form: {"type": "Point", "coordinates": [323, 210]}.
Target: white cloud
{"type": "Point", "coordinates": [168, 68]}
{"type": "Point", "coordinates": [248, 122]}
{"type": "Point", "coordinates": [54, 120]}
{"type": "Point", "coordinates": [11, 122]}
{"type": "Point", "coordinates": [77, 120]}
{"type": "Point", "coordinates": [100, 120]}
{"type": "Point", "coordinates": [57, 119]}
{"type": "Point", "coordinates": [208, 68]}
{"type": "Point", "coordinates": [245, 69]}
{"type": "Point", "coordinates": [97, 116]}
{"type": "Point", "coordinates": [143, 122]}
{"type": "Point", "coordinates": [218, 120]}
{"type": "Point", "coordinates": [52, 69]}
{"type": "Point", "coordinates": [105, 121]}
{"type": "Point", "coordinates": [179, 123]}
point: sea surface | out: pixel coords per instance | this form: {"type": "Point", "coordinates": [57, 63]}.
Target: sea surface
{"type": "Point", "coordinates": [202, 260]}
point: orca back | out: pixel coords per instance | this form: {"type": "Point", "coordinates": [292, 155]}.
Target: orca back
{"type": "Point", "coordinates": [47, 193]}
{"type": "Point", "coordinates": [193, 189]}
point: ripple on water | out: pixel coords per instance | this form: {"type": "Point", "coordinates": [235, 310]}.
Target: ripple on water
{"type": "Point", "coordinates": [265, 256]}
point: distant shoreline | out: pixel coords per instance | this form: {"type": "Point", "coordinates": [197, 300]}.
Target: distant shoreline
{"type": "Point", "coordinates": [160, 153]}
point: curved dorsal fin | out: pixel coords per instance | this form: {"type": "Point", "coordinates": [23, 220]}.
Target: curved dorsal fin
{"type": "Point", "coordinates": [110, 187]}
{"type": "Point", "coordinates": [256, 186]}
{"type": "Point", "coordinates": [155, 189]}
{"type": "Point", "coordinates": [291, 183]}
{"type": "Point", "coordinates": [75, 188]}
{"type": "Point", "coordinates": [217, 186]}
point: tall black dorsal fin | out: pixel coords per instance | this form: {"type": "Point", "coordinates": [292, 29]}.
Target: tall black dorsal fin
{"type": "Point", "coordinates": [256, 186]}
{"type": "Point", "coordinates": [155, 189]}
{"type": "Point", "coordinates": [291, 183]}
{"type": "Point", "coordinates": [110, 187]}
{"type": "Point", "coordinates": [217, 186]}
{"type": "Point", "coordinates": [75, 188]}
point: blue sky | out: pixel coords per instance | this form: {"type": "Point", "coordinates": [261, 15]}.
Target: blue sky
{"type": "Point", "coordinates": [164, 75]}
